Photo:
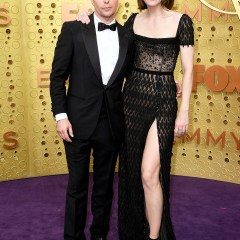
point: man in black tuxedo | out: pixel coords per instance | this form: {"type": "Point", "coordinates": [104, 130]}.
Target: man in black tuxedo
{"type": "Point", "coordinates": [90, 115]}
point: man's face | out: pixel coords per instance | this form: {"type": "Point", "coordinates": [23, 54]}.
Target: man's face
{"type": "Point", "coordinates": [105, 9]}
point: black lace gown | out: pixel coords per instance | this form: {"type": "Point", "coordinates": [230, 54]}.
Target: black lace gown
{"type": "Point", "coordinates": [149, 94]}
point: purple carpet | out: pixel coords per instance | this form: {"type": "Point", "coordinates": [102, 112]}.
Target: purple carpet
{"type": "Point", "coordinates": [33, 209]}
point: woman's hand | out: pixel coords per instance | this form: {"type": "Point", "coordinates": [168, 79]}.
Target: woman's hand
{"type": "Point", "coordinates": [83, 17]}
{"type": "Point", "coordinates": [181, 124]}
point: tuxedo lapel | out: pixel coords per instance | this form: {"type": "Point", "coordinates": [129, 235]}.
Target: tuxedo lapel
{"type": "Point", "coordinates": [123, 46]}
{"type": "Point", "coordinates": [90, 41]}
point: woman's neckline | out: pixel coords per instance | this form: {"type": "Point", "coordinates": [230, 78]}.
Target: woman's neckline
{"type": "Point", "coordinates": [141, 36]}
{"type": "Point", "coordinates": [147, 37]}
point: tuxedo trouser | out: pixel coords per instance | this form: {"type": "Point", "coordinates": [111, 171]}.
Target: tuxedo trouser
{"type": "Point", "coordinates": [105, 152]}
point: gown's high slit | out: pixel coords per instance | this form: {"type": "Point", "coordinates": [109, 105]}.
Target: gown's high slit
{"type": "Point", "coordinates": [149, 94]}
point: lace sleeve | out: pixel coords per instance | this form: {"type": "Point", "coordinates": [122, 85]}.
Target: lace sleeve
{"type": "Point", "coordinates": [185, 31]}
{"type": "Point", "coordinates": [128, 25]}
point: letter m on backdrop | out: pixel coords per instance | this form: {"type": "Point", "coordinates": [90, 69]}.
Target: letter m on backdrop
{"type": "Point", "coordinates": [236, 4]}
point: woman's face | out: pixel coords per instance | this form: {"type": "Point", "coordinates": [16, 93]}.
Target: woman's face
{"type": "Point", "coordinates": [152, 3]}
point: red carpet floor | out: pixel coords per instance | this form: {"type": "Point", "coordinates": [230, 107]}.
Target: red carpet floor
{"type": "Point", "coordinates": [33, 209]}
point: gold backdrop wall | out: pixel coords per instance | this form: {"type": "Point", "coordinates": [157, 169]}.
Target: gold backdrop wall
{"type": "Point", "coordinates": [29, 144]}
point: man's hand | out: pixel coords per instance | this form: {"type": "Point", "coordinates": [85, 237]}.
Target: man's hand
{"type": "Point", "coordinates": [179, 89]}
{"type": "Point", "coordinates": [64, 129]}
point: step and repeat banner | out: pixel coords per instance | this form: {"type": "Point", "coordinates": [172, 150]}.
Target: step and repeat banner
{"type": "Point", "coordinates": [29, 144]}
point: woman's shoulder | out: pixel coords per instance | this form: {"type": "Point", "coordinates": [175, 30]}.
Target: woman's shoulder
{"type": "Point", "coordinates": [129, 23]}
{"type": "Point", "coordinates": [179, 17]}
{"type": "Point", "coordinates": [185, 32]}
{"type": "Point", "coordinates": [181, 20]}
{"type": "Point", "coordinates": [185, 18]}
{"type": "Point", "coordinates": [175, 16]}
{"type": "Point", "coordinates": [133, 16]}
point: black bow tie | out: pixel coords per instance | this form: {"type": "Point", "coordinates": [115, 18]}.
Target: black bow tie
{"type": "Point", "coordinates": [103, 26]}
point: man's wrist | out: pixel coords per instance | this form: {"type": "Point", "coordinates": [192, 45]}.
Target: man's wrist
{"type": "Point", "coordinates": [61, 116]}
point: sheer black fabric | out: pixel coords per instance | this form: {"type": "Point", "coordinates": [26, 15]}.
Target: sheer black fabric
{"type": "Point", "coordinates": [149, 94]}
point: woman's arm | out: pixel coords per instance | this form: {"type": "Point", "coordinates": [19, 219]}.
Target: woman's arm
{"type": "Point", "coordinates": [181, 124]}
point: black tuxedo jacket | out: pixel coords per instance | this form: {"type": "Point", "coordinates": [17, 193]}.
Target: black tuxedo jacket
{"type": "Point", "coordinates": [76, 57]}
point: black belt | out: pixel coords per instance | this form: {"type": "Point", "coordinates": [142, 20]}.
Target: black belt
{"type": "Point", "coordinates": [152, 72]}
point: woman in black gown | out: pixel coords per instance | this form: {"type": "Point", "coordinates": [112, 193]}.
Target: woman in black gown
{"type": "Point", "coordinates": [151, 119]}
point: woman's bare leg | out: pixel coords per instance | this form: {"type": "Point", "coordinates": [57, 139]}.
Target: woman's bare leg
{"type": "Point", "coordinates": [151, 183]}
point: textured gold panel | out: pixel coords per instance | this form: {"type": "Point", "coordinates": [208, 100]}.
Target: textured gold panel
{"type": "Point", "coordinates": [28, 34]}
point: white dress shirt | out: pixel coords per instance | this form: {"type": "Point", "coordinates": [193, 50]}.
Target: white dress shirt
{"type": "Point", "coordinates": [108, 51]}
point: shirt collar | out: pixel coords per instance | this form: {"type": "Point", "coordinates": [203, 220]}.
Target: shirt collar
{"type": "Point", "coordinates": [97, 20]}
